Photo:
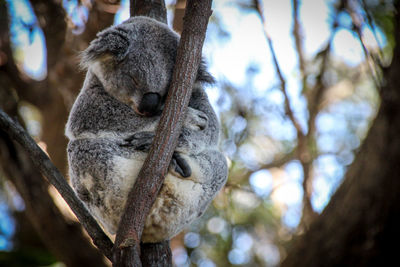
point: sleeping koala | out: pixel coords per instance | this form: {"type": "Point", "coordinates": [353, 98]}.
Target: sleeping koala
{"type": "Point", "coordinates": [112, 125]}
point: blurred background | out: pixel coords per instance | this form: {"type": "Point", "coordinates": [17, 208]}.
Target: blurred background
{"type": "Point", "coordinates": [296, 95]}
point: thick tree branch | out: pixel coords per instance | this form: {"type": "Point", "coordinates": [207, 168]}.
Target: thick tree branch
{"type": "Point", "coordinates": [155, 167]}
{"type": "Point", "coordinates": [151, 8]}
{"type": "Point", "coordinates": [46, 167]}
{"type": "Point", "coordinates": [158, 254]}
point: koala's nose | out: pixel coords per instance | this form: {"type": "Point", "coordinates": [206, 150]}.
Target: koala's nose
{"type": "Point", "coordinates": [149, 104]}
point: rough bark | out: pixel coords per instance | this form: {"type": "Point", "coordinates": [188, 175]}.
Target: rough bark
{"type": "Point", "coordinates": [151, 176]}
{"type": "Point", "coordinates": [178, 15]}
{"type": "Point", "coordinates": [359, 226]}
{"type": "Point", "coordinates": [158, 254]}
{"type": "Point", "coordinates": [151, 8]}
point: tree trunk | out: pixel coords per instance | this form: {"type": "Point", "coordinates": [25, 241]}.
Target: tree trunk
{"type": "Point", "coordinates": [360, 225]}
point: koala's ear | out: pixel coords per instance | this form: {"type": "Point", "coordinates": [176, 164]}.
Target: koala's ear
{"type": "Point", "coordinates": [113, 42]}
{"type": "Point", "coordinates": [203, 76]}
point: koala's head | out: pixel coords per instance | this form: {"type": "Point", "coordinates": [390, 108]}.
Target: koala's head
{"type": "Point", "coordinates": [134, 62]}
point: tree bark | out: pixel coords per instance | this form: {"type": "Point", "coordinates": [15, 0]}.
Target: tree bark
{"type": "Point", "coordinates": [150, 8]}
{"type": "Point", "coordinates": [360, 225]}
{"type": "Point", "coordinates": [179, 12]}
{"type": "Point", "coordinates": [158, 254]}
{"type": "Point", "coordinates": [151, 176]}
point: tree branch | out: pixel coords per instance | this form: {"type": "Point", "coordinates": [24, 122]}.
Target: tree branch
{"type": "Point", "coordinates": [46, 167]}
{"type": "Point", "coordinates": [151, 176]}
{"type": "Point", "coordinates": [298, 37]}
{"type": "Point", "coordinates": [288, 108]}
{"type": "Point", "coordinates": [371, 60]}
{"type": "Point", "coordinates": [303, 141]}
{"type": "Point", "coordinates": [151, 8]}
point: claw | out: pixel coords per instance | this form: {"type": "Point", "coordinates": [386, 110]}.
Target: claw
{"type": "Point", "coordinates": [181, 166]}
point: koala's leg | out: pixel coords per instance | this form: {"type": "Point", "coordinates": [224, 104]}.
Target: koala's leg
{"type": "Point", "coordinates": [195, 120]}
{"type": "Point", "coordinates": [142, 141]}
{"type": "Point", "coordinates": [102, 173]}
{"type": "Point", "coordinates": [209, 174]}
{"type": "Point", "coordinates": [180, 166]}
{"type": "Point", "coordinates": [209, 168]}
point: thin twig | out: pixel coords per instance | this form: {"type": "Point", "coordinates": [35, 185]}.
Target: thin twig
{"type": "Point", "coordinates": [306, 153]}
{"type": "Point", "coordinates": [302, 140]}
{"type": "Point", "coordinates": [278, 162]}
{"type": "Point", "coordinates": [357, 26]}
{"type": "Point", "coordinates": [298, 37]}
{"type": "Point", "coordinates": [371, 23]}
{"type": "Point", "coordinates": [282, 80]}
{"type": "Point", "coordinates": [48, 170]}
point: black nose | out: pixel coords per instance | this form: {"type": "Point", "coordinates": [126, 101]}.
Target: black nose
{"type": "Point", "coordinates": [149, 104]}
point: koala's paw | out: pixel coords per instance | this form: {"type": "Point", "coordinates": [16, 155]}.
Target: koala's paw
{"type": "Point", "coordinates": [139, 141]}
{"type": "Point", "coordinates": [196, 119]}
{"type": "Point", "coordinates": [180, 166]}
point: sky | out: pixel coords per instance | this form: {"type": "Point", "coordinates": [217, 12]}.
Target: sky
{"type": "Point", "coordinates": [229, 60]}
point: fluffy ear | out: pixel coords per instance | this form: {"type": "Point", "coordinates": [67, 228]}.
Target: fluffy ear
{"type": "Point", "coordinates": [203, 76]}
{"type": "Point", "coordinates": [113, 42]}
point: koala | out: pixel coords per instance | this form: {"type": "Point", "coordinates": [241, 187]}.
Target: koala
{"type": "Point", "coordinates": [112, 125]}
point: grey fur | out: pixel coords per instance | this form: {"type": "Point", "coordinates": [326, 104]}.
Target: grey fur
{"type": "Point", "coordinates": [109, 137]}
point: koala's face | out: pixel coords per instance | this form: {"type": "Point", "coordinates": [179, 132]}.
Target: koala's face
{"type": "Point", "coordinates": [134, 61]}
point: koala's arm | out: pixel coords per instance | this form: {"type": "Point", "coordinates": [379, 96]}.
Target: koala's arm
{"type": "Point", "coordinates": [209, 168]}
{"type": "Point", "coordinates": [199, 101]}
{"type": "Point", "coordinates": [199, 147]}
{"type": "Point", "coordinates": [200, 129]}
{"type": "Point", "coordinates": [194, 140]}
